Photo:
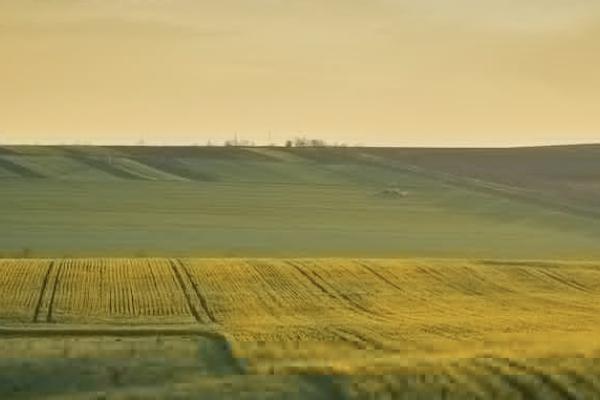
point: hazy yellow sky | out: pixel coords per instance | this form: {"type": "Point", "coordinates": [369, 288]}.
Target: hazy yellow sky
{"type": "Point", "coordinates": [380, 72]}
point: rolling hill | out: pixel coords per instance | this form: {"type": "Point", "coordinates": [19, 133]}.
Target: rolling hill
{"type": "Point", "coordinates": [267, 201]}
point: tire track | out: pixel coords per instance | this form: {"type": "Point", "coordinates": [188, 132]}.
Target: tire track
{"type": "Point", "coordinates": [356, 340]}
{"type": "Point", "coordinates": [360, 341]}
{"type": "Point", "coordinates": [414, 295]}
{"type": "Point", "coordinates": [357, 304]}
{"type": "Point", "coordinates": [444, 280]}
{"type": "Point", "coordinates": [179, 280]}
{"type": "Point", "coordinates": [353, 303]}
{"type": "Point", "coordinates": [273, 289]}
{"type": "Point", "coordinates": [38, 306]}
{"type": "Point", "coordinates": [313, 281]}
{"type": "Point", "coordinates": [54, 290]}
{"type": "Point", "coordinates": [336, 295]}
{"type": "Point", "coordinates": [199, 295]}
{"type": "Point", "coordinates": [381, 277]}
{"type": "Point", "coordinates": [488, 281]}
{"type": "Point", "coordinates": [555, 277]}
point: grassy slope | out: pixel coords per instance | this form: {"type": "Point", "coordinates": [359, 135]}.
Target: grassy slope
{"type": "Point", "coordinates": [566, 177]}
{"type": "Point", "coordinates": [525, 203]}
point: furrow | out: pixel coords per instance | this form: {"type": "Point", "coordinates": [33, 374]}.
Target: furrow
{"type": "Point", "coordinates": [199, 295]}
{"type": "Point", "coordinates": [40, 300]}
{"type": "Point", "coordinates": [54, 290]}
{"type": "Point", "coordinates": [181, 283]}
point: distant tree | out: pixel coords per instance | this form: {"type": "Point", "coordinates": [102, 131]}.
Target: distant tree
{"type": "Point", "coordinates": [304, 142]}
{"type": "Point", "coordinates": [301, 142]}
{"type": "Point", "coordinates": [289, 143]}
{"type": "Point", "coordinates": [239, 143]}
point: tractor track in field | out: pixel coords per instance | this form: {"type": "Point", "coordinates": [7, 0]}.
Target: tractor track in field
{"type": "Point", "coordinates": [182, 274]}
{"type": "Point", "coordinates": [260, 268]}
{"type": "Point", "coordinates": [443, 279]}
{"type": "Point", "coordinates": [360, 341]}
{"type": "Point", "coordinates": [199, 295]}
{"type": "Point", "coordinates": [317, 280]}
{"type": "Point", "coordinates": [413, 295]}
{"type": "Point", "coordinates": [557, 278]}
{"type": "Point", "coordinates": [54, 290]}
{"type": "Point", "coordinates": [367, 307]}
{"type": "Point", "coordinates": [381, 277]}
{"type": "Point", "coordinates": [313, 281]}
{"type": "Point", "coordinates": [40, 300]}
{"type": "Point", "coordinates": [188, 300]}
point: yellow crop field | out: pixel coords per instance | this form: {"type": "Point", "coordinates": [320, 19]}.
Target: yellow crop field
{"type": "Point", "coordinates": [389, 326]}
{"type": "Point", "coordinates": [93, 291]}
{"type": "Point", "coordinates": [340, 312]}
{"type": "Point", "coordinates": [21, 284]}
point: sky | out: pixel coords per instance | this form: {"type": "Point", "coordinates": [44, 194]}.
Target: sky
{"type": "Point", "coordinates": [369, 72]}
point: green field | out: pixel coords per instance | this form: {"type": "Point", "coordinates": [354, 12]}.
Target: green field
{"type": "Point", "coordinates": [211, 201]}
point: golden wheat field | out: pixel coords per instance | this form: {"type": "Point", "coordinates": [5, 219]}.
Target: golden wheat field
{"type": "Point", "coordinates": [352, 328]}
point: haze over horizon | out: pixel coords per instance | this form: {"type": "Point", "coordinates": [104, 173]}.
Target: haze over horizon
{"type": "Point", "coordinates": [380, 72]}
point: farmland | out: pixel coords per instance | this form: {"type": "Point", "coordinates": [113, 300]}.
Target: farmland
{"type": "Point", "coordinates": [325, 273]}
{"type": "Point", "coordinates": [341, 328]}
{"type": "Point", "coordinates": [312, 202]}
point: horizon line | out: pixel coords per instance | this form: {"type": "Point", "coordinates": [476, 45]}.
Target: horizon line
{"type": "Point", "coordinates": [338, 146]}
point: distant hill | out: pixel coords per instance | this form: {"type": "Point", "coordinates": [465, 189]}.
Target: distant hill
{"type": "Point", "coordinates": [272, 200]}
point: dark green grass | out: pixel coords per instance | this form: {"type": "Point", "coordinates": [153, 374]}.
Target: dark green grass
{"type": "Point", "coordinates": [17, 170]}
{"type": "Point", "coordinates": [213, 201]}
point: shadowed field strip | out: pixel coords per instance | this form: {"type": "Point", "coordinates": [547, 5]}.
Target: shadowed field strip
{"type": "Point", "coordinates": [32, 331]}
{"type": "Point", "coordinates": [485, 378]}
